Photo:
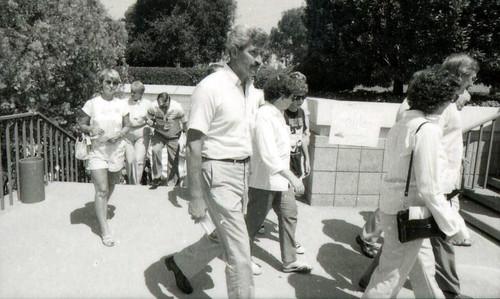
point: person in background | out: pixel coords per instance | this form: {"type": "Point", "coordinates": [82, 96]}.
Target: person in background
{"type": "Point", "coordinates": [219, 140]}
{"type": "Point", "coordinates": [270, 170]}
{"type": "Point", "coordinates": [168, 119]}
{"type": "Point", "coordinates": [137, 139]}
{"type": "Point", "coordinates": [106, 119]}
{"type": "Point", "coordinates": [416, 135]}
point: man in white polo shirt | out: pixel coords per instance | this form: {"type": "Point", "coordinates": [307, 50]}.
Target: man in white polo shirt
{"type": "Point", "coordinates": [220, 145]}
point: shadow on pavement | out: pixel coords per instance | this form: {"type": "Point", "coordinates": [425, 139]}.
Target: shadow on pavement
{"type": "Point", "coordinates": [314, 286]}
{"type": "Point", "coordinates": [345, 265]}
{"type": "Point", "coordinates": [87, 216]}
{"type": "Point", "coordinates": [271, 229]}
{"type": "Point", "coordinates": [266, 257]}
{"type": "Point", "coordinates": [157, 274]}
{"type": "Point", "coordinates": [172, 197]}
{"type": "Point", "coordinates": [366, 215]}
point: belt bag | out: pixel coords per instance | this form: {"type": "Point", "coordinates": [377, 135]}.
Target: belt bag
{"type": "Point", "coordinates": [409, 230]}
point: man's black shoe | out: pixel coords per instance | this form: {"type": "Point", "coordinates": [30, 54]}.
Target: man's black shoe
{"type": "Point", "coordinates": [180, 280]}
{"type": "Point", "coordinates": [367, 249]}
{"type": "Point", "coordinates": [154, 184]}
{"type": "Point", "coordinates": [362, 284]}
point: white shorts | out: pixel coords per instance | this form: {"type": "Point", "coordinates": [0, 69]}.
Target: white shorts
{"type": "Point", "coordinates": [111, 157]}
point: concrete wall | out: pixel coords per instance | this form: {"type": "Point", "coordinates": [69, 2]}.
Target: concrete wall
{"type": "Point", "coordinates": [181, 94]}
{"type": "Point", "coordinates": [351, 175]}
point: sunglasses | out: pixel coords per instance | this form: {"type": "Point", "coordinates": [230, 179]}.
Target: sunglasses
{"type": "Point", "coordinates": [298, 98]}
{"type": "Point", "coordinates": [111, 82]}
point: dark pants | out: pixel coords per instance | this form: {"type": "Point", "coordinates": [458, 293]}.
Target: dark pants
{"type": "Point", "coordinates": [158, 142]}
{"type": "Point", "coordinates": [259, 203]}
{"type": "Point", "coordinates": [296, 163]}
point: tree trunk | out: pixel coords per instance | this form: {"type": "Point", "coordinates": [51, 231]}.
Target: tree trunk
{"type": "Point", "coordinates": [397, 88]}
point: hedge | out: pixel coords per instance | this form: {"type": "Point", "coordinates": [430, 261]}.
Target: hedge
{"type": "Point", "coordinates": [168, 75]}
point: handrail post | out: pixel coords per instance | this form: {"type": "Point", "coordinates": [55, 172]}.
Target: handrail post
{"type": "Point", "coordinates": [2, 202]}
{"type": "Point", "coordinates": [9, 164]}
{"type": "Point", "coordinates": [476, 161]}
{"type": "Point", "coordinates": [490, 148]}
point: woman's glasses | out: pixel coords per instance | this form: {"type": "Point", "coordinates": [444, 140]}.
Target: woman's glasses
{"type": "Point", "coordinates": [298, 98]}
{"type": "Point", "coordinates": [111, 82]}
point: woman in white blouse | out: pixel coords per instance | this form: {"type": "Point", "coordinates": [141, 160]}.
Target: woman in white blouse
{"type": "Point", "coordinates": [105, 119]}
{"type": "Point", "coordinates": [429, 94]}
{"type": "Point", "coordinates": [270, 171]}
{"type": "Point", "coordinates": [137, 139]}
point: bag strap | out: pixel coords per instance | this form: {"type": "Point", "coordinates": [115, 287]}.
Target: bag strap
{"type": "Point", "coordinates": [411, 163]}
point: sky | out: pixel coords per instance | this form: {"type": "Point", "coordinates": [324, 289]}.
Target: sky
{"type": "Point", "coordinates": [261, 13]}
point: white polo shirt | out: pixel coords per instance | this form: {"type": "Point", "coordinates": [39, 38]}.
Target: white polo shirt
{"type": "Point", "coordinates": [225, 114]}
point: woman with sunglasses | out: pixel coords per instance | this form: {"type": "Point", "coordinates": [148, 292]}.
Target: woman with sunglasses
{"type": "Point", "coordinates": [105, 118]}
{"type": "Point", "coordinates": [270, 172]}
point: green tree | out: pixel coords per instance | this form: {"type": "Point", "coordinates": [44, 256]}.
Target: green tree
{"type": "Point", "coordinates": [378, 42]}
{"type": "Point", "coordinates": [483, 19]}
{"type": "Point", "coordinates": [337, 48]}
{"type": "Point", "coordinates": [289, 40]}
{"type": "Point", "coordinates": [180, 32]}
{"type": "Point", "coordinates": [50, 53]}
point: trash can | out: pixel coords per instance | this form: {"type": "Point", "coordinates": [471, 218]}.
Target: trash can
{"type": "Point", "coordinates": [31, 187]}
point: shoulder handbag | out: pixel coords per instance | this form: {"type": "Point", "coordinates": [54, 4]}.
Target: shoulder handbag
{"type": "Point", "coordinates": [409, 230]}
{"type": "Point", "coordinates": [82, 145]}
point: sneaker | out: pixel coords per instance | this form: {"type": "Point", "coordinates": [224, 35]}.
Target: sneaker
{"type": "Point", "coordinates": [367, 249]}
{"type": "Point", "coordinates": [297, 267]}
{"type": "Point", "coordinates": [256, 269]}
{"type": "Point", "coordinates": [262, 230]}
{"type": "Point", "coordinates": [299, 249]}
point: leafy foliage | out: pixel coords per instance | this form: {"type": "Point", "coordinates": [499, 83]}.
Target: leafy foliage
{"type": "Point", "coordinates": [483, 19]}
{"type": "Point", "coordinates": [50, 53]}
{"type": "Point", "coordinates": [180, 32]}
{"type": "Point", "coordinates": [168, 75]}
{"type": "Point", "coordinates": [289, 41]}
{"type": "Point", "coordinates": [367, 42]}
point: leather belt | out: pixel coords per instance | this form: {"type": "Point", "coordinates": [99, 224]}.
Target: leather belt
{"type": "Point", "coordinates": [242, 161]}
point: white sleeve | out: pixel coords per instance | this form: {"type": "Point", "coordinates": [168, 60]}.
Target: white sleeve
{"type": "Point", "coordinates": [88, 108]}
{"type": "Point", "coordinates": [428, 145]}
{"type": "Point", "coordinates": [202, 109]}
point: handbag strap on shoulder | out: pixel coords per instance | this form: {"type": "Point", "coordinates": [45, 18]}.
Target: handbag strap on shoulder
{"type": "Point", "coordinates": [411, 163]}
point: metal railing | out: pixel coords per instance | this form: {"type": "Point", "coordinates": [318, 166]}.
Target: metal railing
{"type": "Point", "coordinates": [34, 135]}
{"type": "Point", "coordinates": [480, 161]}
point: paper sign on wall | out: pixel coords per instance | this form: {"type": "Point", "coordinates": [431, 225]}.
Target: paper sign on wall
{"type": "Point", "coordinates": [353, 127]}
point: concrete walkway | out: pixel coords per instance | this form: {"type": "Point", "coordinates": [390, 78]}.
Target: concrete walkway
{"type": "Point", "coordinates": [52, 249]}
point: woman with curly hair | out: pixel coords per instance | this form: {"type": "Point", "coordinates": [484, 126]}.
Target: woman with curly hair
{"type": "Point", "coordinates": [270, 171]}
{"type": "Point", "coordinates": [418, 132]}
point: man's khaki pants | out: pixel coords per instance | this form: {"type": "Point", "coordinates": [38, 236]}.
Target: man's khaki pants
{"type": "Point", "coordinates": [225, 190]}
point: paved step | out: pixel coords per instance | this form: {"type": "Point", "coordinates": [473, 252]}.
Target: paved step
{"type": "Point", "coordinates": [486, 197]}
{"type": "Point", "coordinates": [494, 182]}
{"type": "Point", "coordinates": [481, 217]}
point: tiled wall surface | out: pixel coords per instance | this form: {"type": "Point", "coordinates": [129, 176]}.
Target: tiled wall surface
{"type": "Point", "coordinates": [344, 175]}
{"type": "Point", "coordinates": [351, 176]}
